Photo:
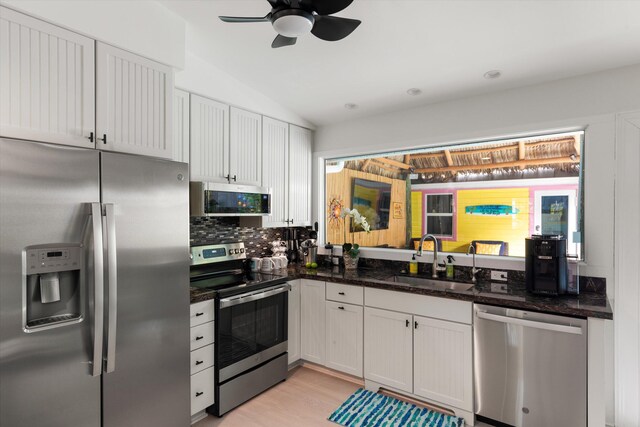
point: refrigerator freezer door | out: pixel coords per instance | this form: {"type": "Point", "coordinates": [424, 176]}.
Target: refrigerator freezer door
{"type": "Point", "coordinates": [45, 196]}
{"type": "Point", "coordinates": [150, 381]}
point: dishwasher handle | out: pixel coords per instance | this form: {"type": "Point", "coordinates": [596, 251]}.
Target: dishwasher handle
{"type": "Point", "coordinates": [577, 330]}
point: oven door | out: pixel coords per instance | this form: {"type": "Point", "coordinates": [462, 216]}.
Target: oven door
{"type": "Point", "coordinates": [252, 329]}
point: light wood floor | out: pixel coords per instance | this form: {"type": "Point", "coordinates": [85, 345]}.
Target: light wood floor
{"type": "Point", "coordinates": [305, 399]}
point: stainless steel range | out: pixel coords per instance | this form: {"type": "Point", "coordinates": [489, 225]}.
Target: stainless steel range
{"type": "Point", "coordinates": [250, 323]}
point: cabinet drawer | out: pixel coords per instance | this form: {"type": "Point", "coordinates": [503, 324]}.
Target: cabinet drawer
{"type": "Point", "coordinates": [201, 312]}
{"type": "Point", "coordinates": [202, 390]}
{"type": "Point", "coordinates": [349, 294]}
{"type": "Point", "coordinates": [202, 335]}
{"type": "Point", "coordinates": [202, 359]}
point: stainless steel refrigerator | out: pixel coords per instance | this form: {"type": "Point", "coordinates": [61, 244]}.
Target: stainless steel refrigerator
{"type": "Point", "coordinates": [94, 302]}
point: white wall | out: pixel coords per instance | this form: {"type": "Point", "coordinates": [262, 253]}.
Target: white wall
{"type": "Point", "coordinates": [205, 79]}
{"type": "Point", "coordinates": [143, 27]}
{"type": "Point", "coordinates": [590, 102]}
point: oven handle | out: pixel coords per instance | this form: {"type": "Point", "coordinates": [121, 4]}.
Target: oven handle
{"type": "Point", "coordinates": [253, 296]}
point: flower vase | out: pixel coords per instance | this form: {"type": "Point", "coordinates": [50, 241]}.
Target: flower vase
{"type": "Point", "coordinates": [351, 263]}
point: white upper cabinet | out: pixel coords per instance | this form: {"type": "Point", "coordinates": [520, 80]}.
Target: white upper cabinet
{"type": "Point", "coordinates": [275, 161]}
{"type": "Point", "coordinates": [180, 141]}
{"type": "Point", "coordinates": [134, 103]}
{"type": "Point", "coordinates": [299, 176]}
{"type": "Point", "coordinates": [46, 82]}
{"type": "Point", "coordinates": [245, 151]}
{"type": "Point", "coordinates": [443, 360]}
{"type": "Point", "coordinates": [209, 140]}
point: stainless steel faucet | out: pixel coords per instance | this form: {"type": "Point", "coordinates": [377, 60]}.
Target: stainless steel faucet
{"type": "Point", "coordinates": [434, 266]}
{"type": "Point", "coordinates": [474, 270]}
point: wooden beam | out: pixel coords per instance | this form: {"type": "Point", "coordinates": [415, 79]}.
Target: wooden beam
{"type": "Point", "coordinates": [379, 164]}
{"type": "Point", "coordinates": [407, 159]}
{"type": "Point", "coordinates": [393, 162]}
{"type": "Point", "coordinates": [426, 155]}
{"type": "Point", "coordinates": [576, 145]}
{"type": "Point", "coordinates": [517, 163]}
{"type": "Point", "coordinates": [521, 152]}
{"type": "Point", "coordinates": [447, 155]}
{"type": "Point", "coordinates": [365, 164]}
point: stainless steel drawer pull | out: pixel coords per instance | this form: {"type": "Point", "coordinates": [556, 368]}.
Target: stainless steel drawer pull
{"type": "Point", "coordinates": [199, 393]}
{"type": "Point", "coordinates": [199, 362]}
{"type": "Point", "coordinates": [199, 338]}
{"type": "Point", "coordinates": [199, 314]}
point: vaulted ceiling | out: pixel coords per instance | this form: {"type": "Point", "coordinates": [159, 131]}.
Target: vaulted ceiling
{"type": "Point", "coordinates": [441, 47]}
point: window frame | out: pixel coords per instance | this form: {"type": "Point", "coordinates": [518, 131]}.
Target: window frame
{"type": "Point", "coordinates": [426, 213]}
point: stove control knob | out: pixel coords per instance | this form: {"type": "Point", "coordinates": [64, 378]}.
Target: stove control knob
{"type": "Point", "coordinates": [241, 250]}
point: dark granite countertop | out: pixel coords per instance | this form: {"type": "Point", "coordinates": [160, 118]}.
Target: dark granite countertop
{"type": "Point", "coordinates": [510, 294]}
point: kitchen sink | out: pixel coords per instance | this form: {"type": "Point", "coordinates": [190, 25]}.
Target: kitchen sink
{"type": "Point", "coordinates": [439, 285]}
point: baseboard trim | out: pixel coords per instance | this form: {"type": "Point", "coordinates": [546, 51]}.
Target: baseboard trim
{"type": "Point", "coordinates": [333, 373]}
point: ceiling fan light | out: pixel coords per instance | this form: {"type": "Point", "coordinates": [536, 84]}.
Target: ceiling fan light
{"type": "Point", "coordinates": [293, 25]}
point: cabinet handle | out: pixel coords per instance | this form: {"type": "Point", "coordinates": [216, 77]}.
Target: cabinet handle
{"type": "Point", "coordinates": [340, 293]}
{"type": "Point", "coordinates": [228, 178]}
{"type": "Point", "coordinates": [234, 178]}
{"type": "Point", "coordinates": [103, 139]}
{"type": "Point", "coordinates": [199, 393]}
{"type": "Point", "coordinates": [199, 362]}
{"type": "Point", "coordinates": [199, 314]}
{"type": "Point", "coordinates": [199, 338]}
{"type": "Point", "coordinates": [407, 323]}
{"type": "Point", "coordinates": [90, 137]}
{"type": "Point", "coordinates": [415, 325]}
{"type": "Point", "coordinates": [341, 308]}
{"type": "Point", "coordinates": [291, 220]}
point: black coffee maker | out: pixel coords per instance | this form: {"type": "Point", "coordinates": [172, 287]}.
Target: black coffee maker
{"type": "Point", "coordinates": [546, 270]}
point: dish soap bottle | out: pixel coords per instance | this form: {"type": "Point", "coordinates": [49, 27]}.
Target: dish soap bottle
{"type": "Point", "coordinates": [450, 260]}
{"type": "Point", "coordinates": [413, 265]}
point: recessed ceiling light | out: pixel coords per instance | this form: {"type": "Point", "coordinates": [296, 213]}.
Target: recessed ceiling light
{"type": "Point", "coordinates": [350, 106]}
{"type": "Point", "coordinates": [414, 91]}
{"type": "Point", "coordinates": [492, 74]}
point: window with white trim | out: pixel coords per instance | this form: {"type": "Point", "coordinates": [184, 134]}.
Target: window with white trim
{"type": "Point", "coordinates": [438, 216]}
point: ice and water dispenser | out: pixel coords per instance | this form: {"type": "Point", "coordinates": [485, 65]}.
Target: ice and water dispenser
{"type": "Point", "coordinates": [53, 286]}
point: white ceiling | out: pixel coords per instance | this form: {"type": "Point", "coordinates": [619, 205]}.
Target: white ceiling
{"type": "Point", "coordinates": [442, 47]}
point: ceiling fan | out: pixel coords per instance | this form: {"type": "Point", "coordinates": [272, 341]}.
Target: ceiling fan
{"type": "Point", "coordinates": [294, 18]}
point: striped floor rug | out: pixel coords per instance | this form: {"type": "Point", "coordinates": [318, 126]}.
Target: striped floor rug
{"type": "Point", "coordinates": [368, 409]}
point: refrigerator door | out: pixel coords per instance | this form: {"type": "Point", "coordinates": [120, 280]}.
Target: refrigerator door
{"type": "Point", "coordinates": [147, 377]}
{"type": "Point", "coordinates": [46, 193]}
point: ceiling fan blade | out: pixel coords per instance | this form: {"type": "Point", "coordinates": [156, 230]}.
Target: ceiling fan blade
{"type": "Point", "coordinates": [281, 41]}
{"type": "Point", "coordinates": [236, 19]}
{"type": "Point", "coordinates": [333, 28]}
{"type": "Point", "coordinates": [327, 7]}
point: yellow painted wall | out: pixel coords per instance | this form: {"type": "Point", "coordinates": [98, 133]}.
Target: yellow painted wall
{"type": "Point", "coordinates": [510, 228]}
{"type": "Point", "coordinates": [416, 214]}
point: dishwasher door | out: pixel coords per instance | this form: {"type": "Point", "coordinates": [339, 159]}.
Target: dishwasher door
{"type": "Point", "coordinates": [530, 368]}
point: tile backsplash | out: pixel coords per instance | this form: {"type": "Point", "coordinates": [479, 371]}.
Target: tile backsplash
{"type": "Point", "coordinates": [210, 230]}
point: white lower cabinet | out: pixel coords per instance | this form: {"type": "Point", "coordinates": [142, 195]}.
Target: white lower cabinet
{"type": "Point", "coordinates": [202, 356]}
{"type": "Point", "coordinates": [442, 362]}
{"type": "Point", "coordinates": [312, 331]}
{"type": "Point", "coordinates": [293, 335]}
{"type": "Point", "coordinates": [344, 337]}
{"type": "Point", "coordinates": [202, 390]}
{"type": "Point", "coordinates": [388, 348]}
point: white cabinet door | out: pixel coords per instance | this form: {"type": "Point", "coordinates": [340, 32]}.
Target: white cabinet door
{"type": "Point", "coordinates": [47, 90]}
{"type": "Point", "coordinates": [294, 322]}
{"type": "Point", "coordinates": [344, 337]}
{"type": "Point", "coordinates": [443, 362]}
{"type": "Point", "coordinates": [312, 331]}
{"type": "Point", "coordinates": [299, 176]}
{"type": "Point", "coordinates": [275, 158]}
{"type": "Point", "coordinates": [209, 160]}
{"type": "Point", "coordinates": [388, 348]}
{"type": "Point", "coordinates": [134, 103]}
{"type": "Point", "coordinates": [245, 151]}
{"type": "Point", "coordinates": [180, 143]}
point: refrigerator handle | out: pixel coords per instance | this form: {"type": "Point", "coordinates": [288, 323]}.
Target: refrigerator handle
{"type": "Point", "coordinates": [112, 284]}
{"type": "Point", "coordinates": [98, 289]}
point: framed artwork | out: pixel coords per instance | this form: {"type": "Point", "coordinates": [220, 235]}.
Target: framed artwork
{"type": "Point", "coordinates": [398, 212]}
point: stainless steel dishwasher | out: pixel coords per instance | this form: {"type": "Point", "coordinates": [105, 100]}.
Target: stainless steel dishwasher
{"type": "Point", "coordinates": [530, 368]}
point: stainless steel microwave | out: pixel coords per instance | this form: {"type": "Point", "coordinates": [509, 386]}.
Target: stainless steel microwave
{"type": "Point", "coordinates": [216, 199]}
